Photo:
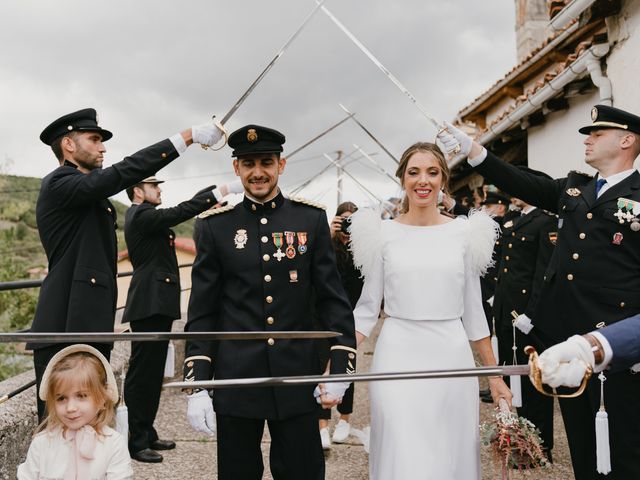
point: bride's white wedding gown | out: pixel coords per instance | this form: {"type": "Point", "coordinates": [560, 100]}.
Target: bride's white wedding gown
{"type": "Point", "coordinates": [429, 279]}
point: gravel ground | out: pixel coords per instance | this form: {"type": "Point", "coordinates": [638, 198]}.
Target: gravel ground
{"type": "Point", "coordinates": [194, 458]}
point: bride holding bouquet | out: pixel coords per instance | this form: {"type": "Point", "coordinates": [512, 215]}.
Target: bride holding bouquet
{"type": "Point", "coordinates": [426, 267]}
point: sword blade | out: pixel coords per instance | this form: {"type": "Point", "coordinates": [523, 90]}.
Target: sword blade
{"type": "Point", "coordinates": [379, 64]}
{"type": "Point", "coordinates": [371, 135]}
{"type": "Point", "coordinates": [333, 162]}
{"type": "Point", "coordinates": [361, 377]}
{"type": "Point", "coordinates": [288, 156]}
{"type": "Point", "coordinates": [107, 337]}
{"type": "Point", "coordinates": [270, 65]}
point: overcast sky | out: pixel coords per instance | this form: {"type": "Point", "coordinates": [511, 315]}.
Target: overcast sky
{"type": "Point", "coordinates": [153, 67]}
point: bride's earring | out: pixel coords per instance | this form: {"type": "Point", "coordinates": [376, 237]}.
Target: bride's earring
{"type": "Point", "coordinates": [440, 196]}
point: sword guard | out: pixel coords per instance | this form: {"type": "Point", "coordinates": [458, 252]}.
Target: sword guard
{"type": "Point", "coordinates": [535, 375]}
{"type": "Point", "coordinates": [224, 134]}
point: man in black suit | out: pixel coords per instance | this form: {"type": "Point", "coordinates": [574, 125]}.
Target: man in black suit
{"type": "Point", "coordinates": [593, 278]}
{"type": "Point", "coordinates": [256, 268]}
{"type": "Point", "coordinates": [527, 244]}
{"type": "Point", "coordinates": [77, 223]}
{"type": "Point", "coordinates": [153, 302]}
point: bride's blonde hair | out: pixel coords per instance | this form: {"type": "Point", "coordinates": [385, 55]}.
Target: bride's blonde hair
{"type": "Point", "coordinates": [425, 147]}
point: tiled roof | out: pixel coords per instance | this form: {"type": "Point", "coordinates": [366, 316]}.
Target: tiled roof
{"type": "Point", "coordinates": [515, 70]}
{"type": "Point", "coordinates": [548, 76]}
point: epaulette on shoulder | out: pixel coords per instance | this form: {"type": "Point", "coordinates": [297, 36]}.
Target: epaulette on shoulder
{"type": "Point", "coordinates": [583, 174]}
{"type": "Point", "coordinates": [308, 202]}
{"type": "Point", "coordinates": [216, 211]}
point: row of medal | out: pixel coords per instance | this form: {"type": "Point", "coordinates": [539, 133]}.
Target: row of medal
{"type": "Point", "coordinates": [628, 211]}
{"type": "Point", "coordinates": [278, 238]}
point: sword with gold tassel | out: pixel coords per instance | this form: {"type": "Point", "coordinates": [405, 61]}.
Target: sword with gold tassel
{"type": "Point", "coordinates": [532, 369]}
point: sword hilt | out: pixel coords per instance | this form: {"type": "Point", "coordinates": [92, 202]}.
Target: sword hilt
{"type": "Point", "coordinates": [225, 135]}
{"type": "Point", "coordinates": [535, 374]}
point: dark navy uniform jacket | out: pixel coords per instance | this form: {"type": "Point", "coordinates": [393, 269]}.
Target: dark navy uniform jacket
{"type": "Point", "coordinates": [155, 286]}
{"type": "Point", "coordinates": [593, 278]}
{"type": "Point", "coordinates": [241, 282]}
{"type": "Point", "coordinates": [527, 244]}
{"type": "Point", "coordinates": [77, 224]}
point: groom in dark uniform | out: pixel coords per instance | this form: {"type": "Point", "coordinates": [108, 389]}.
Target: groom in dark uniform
{"type": "Point", "coordinates": [593, 278]}
{"type": "Point", "coordinates": [256, 268]}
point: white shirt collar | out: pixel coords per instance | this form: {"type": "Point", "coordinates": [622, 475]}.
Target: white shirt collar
{"type": "Point", "coordinates": [617, 178]}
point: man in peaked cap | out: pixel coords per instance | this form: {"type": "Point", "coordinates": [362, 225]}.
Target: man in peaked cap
{"type": "Point", "coordinates": [255, 270]}
{"type": "Point", "coordinates": [593, 278]}
{"type": "Point", "coordinates": [153, 302]}
{"type": "Point", "coordinates": [77, 225]}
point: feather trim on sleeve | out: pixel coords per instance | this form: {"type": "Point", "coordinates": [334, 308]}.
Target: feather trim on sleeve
{"type": "Point", "coordinates": [366, 241]}
{"type": "Point", "coordinates": [482, 233]}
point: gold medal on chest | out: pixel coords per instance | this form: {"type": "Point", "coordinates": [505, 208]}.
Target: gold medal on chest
{"type": "Point", "coordinates": [291, 250]}
{"type": "Point", "coordinates": [241, 238]}
{"type": "Point", "coordinates": [509, 224]}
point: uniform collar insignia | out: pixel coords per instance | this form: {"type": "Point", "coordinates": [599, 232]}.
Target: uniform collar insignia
{"type": "Point", "coordinates": [573, 192]}
{"type": "Point", "coordinates": [257, 207]}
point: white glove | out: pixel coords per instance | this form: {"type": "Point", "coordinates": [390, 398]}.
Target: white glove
{"type": "Point", "coordinates": [334, 389]}
{"type": "Point", "coordinates": [566, 362]}
{"type": "Point", "coordinates": [523, 323]}
{"type": "Point", "coordinates": [206, 134]}
{"type": "Point", "coordinates": [200, 413]}
{"type": "Point", "coordinates": [452, 137]}
{"type": "Point", "coordinates": [235, 187]}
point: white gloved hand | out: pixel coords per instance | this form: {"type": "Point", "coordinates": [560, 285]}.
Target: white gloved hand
{"type": "Point", "coordinates": [452, 137]}
{"type": "Point", "coordinates": [200, 413]}
{"type": "Point", "coordinates": [334, 389]}
{"type": "Point", "coordinates": [235, 187]}
{"type": "Point", "coordinates": [206, 134]}
{"type": "Point", "coordinates": [565, 363]}
{"type": "Point", "coordinates": [523, 323]}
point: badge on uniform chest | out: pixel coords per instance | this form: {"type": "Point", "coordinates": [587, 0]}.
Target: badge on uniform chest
{"type": "Point", "coordinates": [617, 238]}
{"type": "Point", "coordinates": [293, 276]}
{"type": "Point", "coordinates": [241, 238]}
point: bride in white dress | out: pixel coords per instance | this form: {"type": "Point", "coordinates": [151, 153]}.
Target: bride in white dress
{"type": "Point", "coordinates": [426, 267]}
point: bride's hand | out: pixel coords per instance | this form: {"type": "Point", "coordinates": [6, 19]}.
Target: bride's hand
{"type": "Point", "coordinates": [499, 390]}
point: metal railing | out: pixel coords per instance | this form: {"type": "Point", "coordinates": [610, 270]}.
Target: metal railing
{"type": "Point", "coordinates": [20, 284]}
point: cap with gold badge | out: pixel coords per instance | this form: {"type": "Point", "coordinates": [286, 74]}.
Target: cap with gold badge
{"type": "Point", "coordinates": [604, 116]}
{"type": "Point", "coordinates": [252, 139]}
{"type": "Point", "coordinates": [85, 120]}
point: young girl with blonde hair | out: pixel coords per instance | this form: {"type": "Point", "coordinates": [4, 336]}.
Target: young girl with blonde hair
{"type": "Point", "coordinates": [75, 440]}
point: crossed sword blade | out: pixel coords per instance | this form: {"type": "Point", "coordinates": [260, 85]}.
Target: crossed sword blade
{"type": "Point", "coordinates": [264, 72]}
{"type": "Point", "coordinates": [107, 337]}
{"type": "Point", "coordinates": [360, 377]}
